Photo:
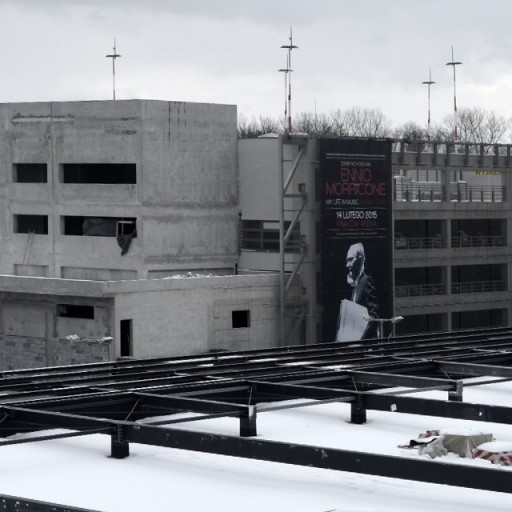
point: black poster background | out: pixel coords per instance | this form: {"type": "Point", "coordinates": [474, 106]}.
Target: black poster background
{"type": "Point", "coordinates": [356, 207]}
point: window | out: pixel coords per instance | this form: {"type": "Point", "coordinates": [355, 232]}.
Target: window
{"type": "Point", "coordinates": [263, 235]}
{"type": "Point", "coordinates": [240, 319]}
{"type": "Point", "coordinates": [99, 173]}
{"type": "Point", "coordinates": [100, 226]}
{"type": "Point", "coordinates": [74, 311]}
{"type": "Point", "coordinates": [37, 224]}
{"type": "Point", "coordinates": [30, 173]}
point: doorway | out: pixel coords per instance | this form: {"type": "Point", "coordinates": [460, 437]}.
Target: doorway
{"type": "Point", "coordinates": [126, 338]}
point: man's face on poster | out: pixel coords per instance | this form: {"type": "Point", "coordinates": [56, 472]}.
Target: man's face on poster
{"type": "Point", "coordinates": [354, 264]}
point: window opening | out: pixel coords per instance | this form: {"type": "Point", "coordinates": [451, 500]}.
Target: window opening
{"type": "Point", "coordinates": [37, 224]}
{"type": "Point", "coordinates": [30, 173]}
{"type": "Point", "coordinates": [126, 338]}
{"type": "Point", "coordinates": [101, 173]}
{"type": "Point", "coordinates": [263, 235]}
{"type": "Point", "coordinates": [124, 229]}
{"type": "Point", "coordinates": [75, 311]}
{"type": "Point", "coordinates": [99, 226]}
{"type": "Point", "coordinates": [240, 319]}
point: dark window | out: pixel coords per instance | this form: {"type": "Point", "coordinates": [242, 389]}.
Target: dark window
{"type": "Point", "coordinates": [37, 224]}
{"type": "Point", "coordinates": [126, 338]}
{"type": "Point", "coordinates": [30, 173]}
{"type": "Point", "coordinates": [240, 319]}
{"type": "Point", "coordinates": [99, 173]}
{"type": "Point", "coordinates": [100, 226]}
{"type": "Point", "coordinates": [73, 311]}
{"type": "Point", "coordinates": [263, 235]}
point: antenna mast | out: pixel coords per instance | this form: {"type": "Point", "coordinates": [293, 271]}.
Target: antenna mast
{"type": "Point", "coordinates": [288, 77]}
{"type": "Point", "coordinates": [453, 64]}
{"type": "Point", "coordinates": [286, 71]}
{"type": "Point", "coordinates": [428, 83]}
{"type": "Point", "coordinates": [113, 56]}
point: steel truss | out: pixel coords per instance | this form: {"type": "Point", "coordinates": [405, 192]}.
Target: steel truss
{"type": "Point", "coordinates": [138, 401]}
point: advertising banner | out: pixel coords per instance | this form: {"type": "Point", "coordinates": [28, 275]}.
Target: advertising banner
{"type": "Point", "coordinates": [356, 238]}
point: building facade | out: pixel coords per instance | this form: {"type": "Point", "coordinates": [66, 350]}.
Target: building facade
{"type": "Point", "coordinates": [120, 234]}
{"type": "Point", "coordinates": [145, 228]}
{"type": "Point", "coordinates": [451, 229]}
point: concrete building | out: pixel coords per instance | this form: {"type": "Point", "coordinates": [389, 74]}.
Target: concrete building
{"type": "Point", "coordinates": [451, 218]}
{"type": "Point", "coordinates": [104, 202]}
{"type": "Point", "coordinates": [145, 228]}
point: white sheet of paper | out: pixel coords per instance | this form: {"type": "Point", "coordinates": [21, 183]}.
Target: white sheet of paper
{"type": "Point", "coordinates": [352, 321]}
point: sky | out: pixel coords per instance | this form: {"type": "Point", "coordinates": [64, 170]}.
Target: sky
{"type": "Point", "coordinates": [351, 53]}
{"type": "Point", "coordinates": [79, 472]}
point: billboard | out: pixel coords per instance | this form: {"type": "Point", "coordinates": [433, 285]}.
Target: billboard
{"type": "Point", "coordinates": [356, 238]}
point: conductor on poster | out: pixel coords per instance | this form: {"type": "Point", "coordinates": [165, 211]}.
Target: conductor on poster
{"type": "Point", "coordinates": [353, 323]}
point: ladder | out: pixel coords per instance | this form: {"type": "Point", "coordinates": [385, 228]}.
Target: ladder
{"type": "Point", "coordinates": [28, 247]}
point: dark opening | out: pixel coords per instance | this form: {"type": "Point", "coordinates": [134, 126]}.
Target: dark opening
{"type": "Point", "coordinates": [263, 235]}
{"type": "Point", "coordinates": [240, 319]}
{"type": "Point", "coordinates": [99, 173]}
{"type": "Point", "coordinates": [37, 224]}
{"type": "Point", "coordinates": [30, 173]}
{"type": "Point", "coordinates": [100, 226]}
{"type": "Point", "coordinates": [74, 311]}
{"type": "Point", "coordinates": [126, 338]}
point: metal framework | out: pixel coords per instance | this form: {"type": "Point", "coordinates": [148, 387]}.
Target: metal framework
{"type": "Point", "coordinates": [138, 401]}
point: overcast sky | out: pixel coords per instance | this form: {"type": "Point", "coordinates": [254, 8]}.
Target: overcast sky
{"type": "Point", "coordinates": [352, 53]}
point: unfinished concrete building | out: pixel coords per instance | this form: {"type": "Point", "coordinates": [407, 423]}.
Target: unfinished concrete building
{"type": "Point", "coordinates": [107, 207]}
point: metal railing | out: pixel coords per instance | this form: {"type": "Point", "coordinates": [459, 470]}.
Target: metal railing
{"type": "Point", "coordinates": [424, 290]}
{"type": "Point", "coordinates": [403, 242]}
{"type": "Point", "coordinates": [416, 191]}
{"type": "Point", "coordinates": [433, 192]}
{"type": "Point", "coordinates": [476, 193]}
{"type": "Point", "coordinates": [477, 241]}
{"type": "Point", "coordinates": [420, 290]}
{"type": "Point", "coordinates": [479, 287]}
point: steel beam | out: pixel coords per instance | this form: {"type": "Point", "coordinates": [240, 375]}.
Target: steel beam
{"type": "Point", "coordinates": [475, 369]}
{"type": "Point", "coordinates": [444, 409]}
{"type": "Point", "coordinates": [17, 504]}
{"type": "Point", "coordinates": [421, 470]}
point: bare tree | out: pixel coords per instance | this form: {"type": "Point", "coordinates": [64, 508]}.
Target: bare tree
{"type": "Point", "coordinates": [314, 124]}
{"type": "Point", "coordinates": [476, 125]}
{"type": "Point", "coordinates": [254, 128]}
{"type": "Point", "coordinates": [411, 132]}
{"type": "Point", "coordinates": [366, 122]}
{"type": "Point", "coordinates": [338, 123]}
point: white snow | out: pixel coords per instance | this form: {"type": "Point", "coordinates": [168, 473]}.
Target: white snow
{"type": "Point", "coordinates": [497, 446]}
{"type": "Point", "coordinates": [79, 472]}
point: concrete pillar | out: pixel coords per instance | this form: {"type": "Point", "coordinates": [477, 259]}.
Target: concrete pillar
{"type": "Point", "coordinates": [456, 395]}
{"type": "Point", "coordinates": [358, 411]}
{"type": "Point", "coordinates": [120, 448]}
{"type": "Point", "coordinates": [248, 422]}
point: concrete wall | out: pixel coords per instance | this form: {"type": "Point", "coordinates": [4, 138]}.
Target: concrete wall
{"type": "Point", "coordinates": [194, 315]}
{"type": "Point", "coordinates": [261, 189]}
{"type": "Point", "coordinates": [174, 316]}
{"type": "Point", "coordinates": [185, 199]}
{"type": "Point", "coordinates": [27, 352]}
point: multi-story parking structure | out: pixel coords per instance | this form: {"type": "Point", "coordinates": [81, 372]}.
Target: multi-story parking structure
{"type": "Point", "coordinates": [451, 211]}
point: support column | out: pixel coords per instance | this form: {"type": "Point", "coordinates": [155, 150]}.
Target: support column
{"type": "Point", "coordinates": [456, 395]}
{"type": "Point", "coordinates": [358, 411]}
{"type": "Point", "coordinates": [248, 422]}
{"type": "Point", "coordinates": [120, 448]}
